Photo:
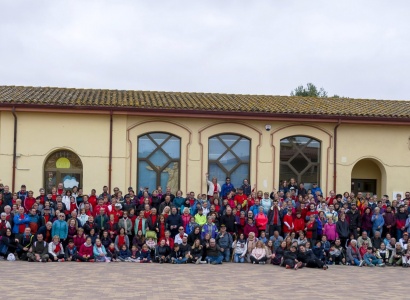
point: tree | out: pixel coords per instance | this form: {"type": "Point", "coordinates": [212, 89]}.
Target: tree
{"type": "Point", "coordinates": [310, 91]}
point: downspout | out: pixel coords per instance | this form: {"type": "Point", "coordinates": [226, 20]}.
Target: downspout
{"type": "Point", "coordinates": [13, 176]}
{"type": "Point", "coordinates": [335, 153]}
{"type": "Point", "coordinates": [110, 155]}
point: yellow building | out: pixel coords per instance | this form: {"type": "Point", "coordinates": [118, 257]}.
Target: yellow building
{"type": "Point", "coordinates": [118, 138]}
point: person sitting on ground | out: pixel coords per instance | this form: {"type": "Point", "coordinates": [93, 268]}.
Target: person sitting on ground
{"type": "Point", "coordinates": [162, 252]}
{"type": "Point", "coordinates": [240, 248]}
{"type": "Point", "coordinates": [195, 253]}
{"type": "Point", "coordinates": [277, 256]}
{"type": "Point", "coordinates": [353, 255]}
{"type": "Point", "coordinates": [258, 255]}
{"type": "Point", "coordinates": [309, 260]}
{"type": "Point", "coordinates": [124, 254]}
{"type": "Point", "coordinates": [100, 254]}
{"type": "Point", "coordinates": [112, 253]}
{"type": "Point", "coordinates": [371, 260]}
{"type": "Point", "coordinates": [70, 251]}
{"type": "Point", "coordinates": [86, 251]}
{"type": "Point", "coordinates": [376, 240]}
{"type": "Point", "coordinates": [56, 250]}
{"type": "Point", "coordinates": [213, 253]}
{"type": "Point", "coordinates": [290, 259]}
{"type": "Point", "coordinates": [406, 257]}
{"type": "Point", "coordinates": [145, 256]}
{"type": "Point", "coordinates": [135, 254]}
{"type": "Point", "coordinates": [336, 253]}
{"type": "Point", "coordinates": [396, 258]}
{"type": "Point", "coordinates": [384, 254]}
{"type": "Point", "coordinates": [39, 250]}
{"type": "Point", "coordinates": [177, 255]}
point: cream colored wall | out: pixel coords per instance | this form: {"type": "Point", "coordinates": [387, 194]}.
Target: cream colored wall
{"type": "Point", "coordinates": [387, 146]}
{"type": "Point", "coordinates": [39, 134]}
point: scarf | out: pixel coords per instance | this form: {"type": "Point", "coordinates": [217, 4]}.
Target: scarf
{"type": "Point", "coordinates": [57, 249]}
{"type": "Point", "coordinates": [22, 226]}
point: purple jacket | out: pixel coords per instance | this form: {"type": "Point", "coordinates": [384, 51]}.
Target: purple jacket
{"type": "Point", "coordinates": [367, 222]}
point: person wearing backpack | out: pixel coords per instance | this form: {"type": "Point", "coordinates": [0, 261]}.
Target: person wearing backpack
{"type": "Point", "coordinates": [39, 250]}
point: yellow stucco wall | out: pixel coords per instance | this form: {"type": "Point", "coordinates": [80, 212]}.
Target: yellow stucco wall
{"type": "Point", "coordinates": [87, 135]}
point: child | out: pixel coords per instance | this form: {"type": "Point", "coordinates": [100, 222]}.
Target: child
{"type": "Point", "coordinates": [100, 254]}
{"type": "Point", "coordinates": [336, 254]}
{"type": "Point", "coordinates": [124, 254]}
{"type": "Point", "coordinates": [70, 251]}
{"type": "Point", "coordinates": [111, 252]}
{"type": "Point", "coordinates": [145, 256]}
{"type": "Point", "coordinates": [151, 245]}
{"type": "Point", "coordinates": [177, 255]}
{"type": "Point", "coordinates": [262, 237]}
{"type": "Point", "coordinates": [135, 254]}
{"type": "Point", "coordinates": [371, 260]}
{"type": "Point", "coordinates": [325, 244]}
{"type": "Point", "coordinates": [319, 251]}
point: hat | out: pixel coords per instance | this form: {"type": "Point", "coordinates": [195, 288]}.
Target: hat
{"type": "Point", "coordinates": [118, 205]}
{"type": "Point", "coordinates": [223, 225]}
{"type": "Point", "coordinates": [292, 188]}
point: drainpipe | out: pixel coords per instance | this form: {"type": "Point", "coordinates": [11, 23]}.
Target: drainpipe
{"type": "Point", "coordinates": [110, 155]}
{"type": "Point", "coordinates": [13, 176]}
{"type": "Point", "coordinates": [335, 153]}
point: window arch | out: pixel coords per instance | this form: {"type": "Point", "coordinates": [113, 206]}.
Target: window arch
{"type": "Point", "coordinates": [300, 159]}
{"type": "Point", "coordinates": [63, 166]}
{"type": "Point", "coordinates": [159, 160]}
{"type": "Point", "coordinates": [229, 156]}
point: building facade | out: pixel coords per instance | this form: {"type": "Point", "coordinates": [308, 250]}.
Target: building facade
{"type": "Point", "coordinates": [93, 138]}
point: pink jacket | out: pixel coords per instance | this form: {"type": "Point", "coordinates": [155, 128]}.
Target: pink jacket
{"type": "Point", "coordinates": [330, 231]}
{"type": "Point", "coordinates": [258, 253]}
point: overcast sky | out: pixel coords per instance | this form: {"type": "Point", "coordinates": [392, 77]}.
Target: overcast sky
{"type": "Point", "coordinates": [358, 49]}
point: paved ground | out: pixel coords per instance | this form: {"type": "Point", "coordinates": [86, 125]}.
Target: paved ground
{"type": "Point", "coordinates": [23, 280]}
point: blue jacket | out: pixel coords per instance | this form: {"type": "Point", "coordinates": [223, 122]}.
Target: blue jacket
{"type": "Point", "coordinates": [17, 222]}
{"type": "Point", "coordinates": [145, 254]}
{"type": "Point", "coordinates": [226, 189]}
{"type": "Point", "coordinates": [96, 252]}
{"type": "Point", "coordinates": [255, 209]}
{"type": "Point", "coordinates": [60, 228]}
{"type": "Point", "coordinates": [377, 222]}
{"type": "Point", "coordinates": [178, 202]}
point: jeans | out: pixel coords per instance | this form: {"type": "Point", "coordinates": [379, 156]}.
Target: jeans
{"type": "Point", "coordinates": [238, 258]}
{"type": "Point", "coordinates": [217, 259]}
{"type": "Point", "coordinates": [373, 261]}
{"type": "Point", "coordinates": [180, 261]}
{"type": "Point", "coordinates": [356, 261]}
{"type": "Point", "coordinates": [226, 254]}
{"type": "Point", "coordinates": [399, 234]}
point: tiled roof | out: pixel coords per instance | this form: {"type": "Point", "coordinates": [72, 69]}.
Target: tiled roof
{"type": "Point", "coordinates": [202, 102]}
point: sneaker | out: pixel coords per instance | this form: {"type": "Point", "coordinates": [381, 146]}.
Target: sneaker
{"type": "Point", "coordinates": [361, 263]}
{"type": "Point", "coordinates": [77, 260]}
{"type": "Point", "coordinates": [253, 262]}
{"type": "Point", "coordinates": [381, 265]}
{"type": "Point", "coordinates": [198, 261]}
{"type": "Point", "coordinates": [287, 267]}
{"type": "Point", "coordinates": [91, 260]}
{"type": "Point", "coordinates": [213, 263]}
{"type": "Point", "coordinates": [262, 263]}
{"type": "Point", "coordinates": [370, 265]}
{"type": "Point", "coordinates": [347, 264]}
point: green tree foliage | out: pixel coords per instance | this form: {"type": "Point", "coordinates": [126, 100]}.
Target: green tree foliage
{"type": "Point", "coordinates": [310, 91]}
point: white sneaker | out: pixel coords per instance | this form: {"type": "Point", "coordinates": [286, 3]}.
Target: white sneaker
{"type": "Point", "coordinates": [361, 263]}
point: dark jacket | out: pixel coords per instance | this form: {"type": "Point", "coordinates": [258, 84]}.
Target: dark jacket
{"type": "Point", "coordinates": [162, 251]}
{"type": "Point", "coordinates": [342, 229]}
{"type": "Point", "coordinates": [192, 237]}
{"type": "Point", "coordinates": [355, 220]}
{"type": "Point", "coordinates": [174, 220]}
{"type": "Point", "coordinates": [39, 248]}
{"type": "Point", "coordinates": [229, 222]}
{"type": "Point", "coordinates": [213, 251]}
{"type": "Point", "coordinates": [70, 252]}
{"type": "Point", "coordinates": [306, 256]}
{"type": "Point", "coordinates": [196, 252]}
{"type": "Point", "coordinates": [290, 255]}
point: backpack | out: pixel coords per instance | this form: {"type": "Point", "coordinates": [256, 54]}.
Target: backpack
{"type": "Point", "coordinates": [11, 257]}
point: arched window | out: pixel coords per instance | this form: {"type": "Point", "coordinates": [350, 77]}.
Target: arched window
{"type": "Point", "coordinates": [300, 159]}
{"type": "Point", "coordinates": [63, 166]}
{"type": "Point", "coordinates": [159, 160]}
{"type": "Point", "coordinates": [229, 156]}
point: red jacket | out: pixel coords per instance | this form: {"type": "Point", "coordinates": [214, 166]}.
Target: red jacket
{"type": "Point", "coordinates": [250, 228]}
{"type": "Point", "coordinates": [84, 250]}
{"type": "Point", "coordinates": [287, 218]}
{"type": "Point", "coordinates": [299, 224]}
{"type": "Point", "coordinates": [28, 203]}
{"type": "Point", "coordinates": [261, 220]}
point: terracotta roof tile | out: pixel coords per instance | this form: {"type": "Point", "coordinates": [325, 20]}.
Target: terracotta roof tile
{"type": "Point", "coordinates": [206, 102]}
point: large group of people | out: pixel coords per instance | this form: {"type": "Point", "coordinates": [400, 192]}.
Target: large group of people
{"type": "Point", "coordinates": [292, 227]}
